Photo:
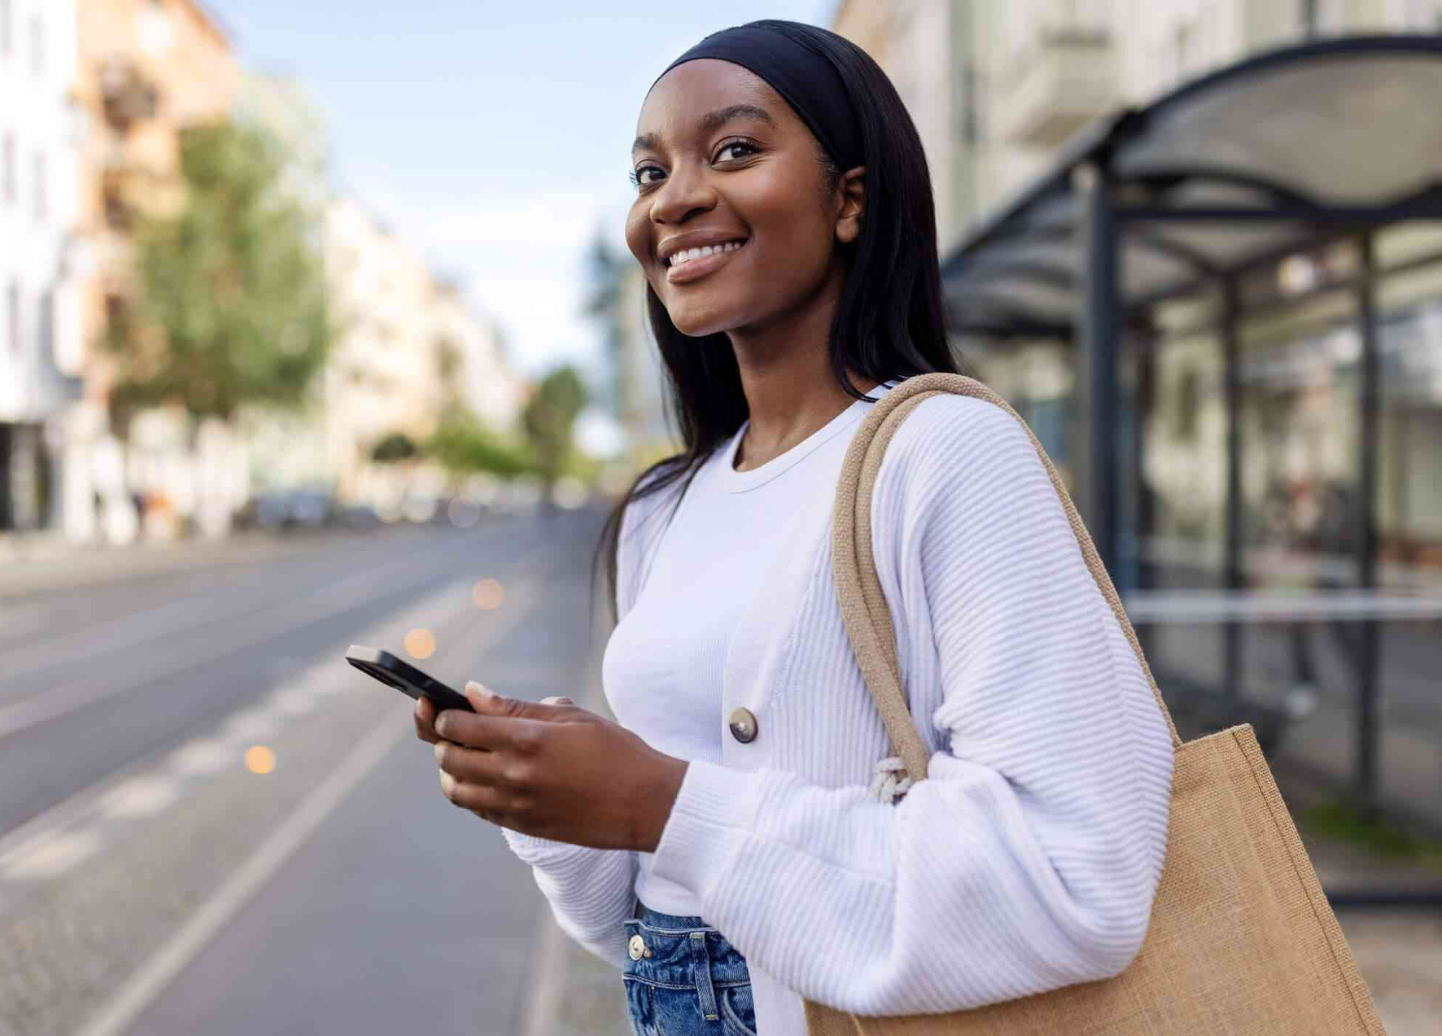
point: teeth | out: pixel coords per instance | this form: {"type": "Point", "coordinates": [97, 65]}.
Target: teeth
{"type": "Point", "coordinates": [681, 258]}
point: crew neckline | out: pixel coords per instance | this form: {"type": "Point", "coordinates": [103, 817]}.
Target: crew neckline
{"type": "Point", "coordinates": [734, 481]}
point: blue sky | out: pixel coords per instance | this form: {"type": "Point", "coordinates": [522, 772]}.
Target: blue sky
{"type": "Point", "coordinates": [493, 137]}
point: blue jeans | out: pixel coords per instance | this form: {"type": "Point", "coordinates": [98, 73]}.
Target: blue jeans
{"type": "Point", "coordinates": [688, 979]}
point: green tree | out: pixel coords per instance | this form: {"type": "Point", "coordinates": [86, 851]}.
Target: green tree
{"type": "Point", "coordinates": [549, 417]}
{"type": "Point", "coordinates": [461, 446]}
{"type": "Point", "coordinates": [232, 301]}
{"type": "Point", "coordinates": [397, 446]}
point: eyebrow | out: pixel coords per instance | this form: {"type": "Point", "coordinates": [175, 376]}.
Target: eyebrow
{"type": "Point", "coordinates": [710, 122]}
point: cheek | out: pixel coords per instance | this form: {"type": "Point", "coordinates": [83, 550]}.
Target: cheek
{"type": "Point", "coordinates": [638, 234]}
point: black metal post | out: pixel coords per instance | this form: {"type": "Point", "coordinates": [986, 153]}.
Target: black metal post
{"type": "Point", "coordinates": [1366, 518]}
{"type": "Point", "coordinates": [1232, 576]}
{"type": "Point", "coordinates": [1100, 329]}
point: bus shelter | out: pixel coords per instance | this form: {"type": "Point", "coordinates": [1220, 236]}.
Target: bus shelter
{"type": "Point", "coordinates": [1243, 281]}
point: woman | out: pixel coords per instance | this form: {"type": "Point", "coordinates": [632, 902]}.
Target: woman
{"type": "Point", "coordinates": [728, 843]}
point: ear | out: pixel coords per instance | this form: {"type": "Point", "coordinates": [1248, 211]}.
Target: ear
{"type": "Point", "coordinates": [851, 202]}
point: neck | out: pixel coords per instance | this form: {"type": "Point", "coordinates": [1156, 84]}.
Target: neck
{"type": "Point", "coordinates": [786, 375]}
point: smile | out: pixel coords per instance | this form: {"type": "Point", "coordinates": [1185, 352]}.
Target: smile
{"type": "Point", "coordinates": [697, 262]}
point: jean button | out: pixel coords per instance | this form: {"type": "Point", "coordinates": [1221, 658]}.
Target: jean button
{"type": "Point", "coordinates": [637, 947]}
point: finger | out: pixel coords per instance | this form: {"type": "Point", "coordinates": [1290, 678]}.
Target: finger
{"type": "Point", "coordinates": [474, 766]}
{"type": "Point", "coordinates": [495, 733]}
{"type": "Point", "coordinates": [475, 797]}
{"type": "Point", "coordinates": [425, 717]}
{"type": "Point", "coordinates": [487, 702]}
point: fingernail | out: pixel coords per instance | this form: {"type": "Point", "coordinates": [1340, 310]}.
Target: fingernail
{"type": "Point", "coordinates": [482, 688]}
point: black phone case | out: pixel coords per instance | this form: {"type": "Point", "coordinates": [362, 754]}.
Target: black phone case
{"type": "Point", "coordinates": [404, 677]}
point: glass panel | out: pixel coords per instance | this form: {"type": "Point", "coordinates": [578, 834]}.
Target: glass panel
{"type": "Point", "coordinates": [1409, 521]}
{"type": "Point", "coordinates": [1299, 371]}
{"type": "Point", "coordinates": [1180, 506]}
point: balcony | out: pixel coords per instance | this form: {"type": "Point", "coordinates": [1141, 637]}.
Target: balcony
{"type": "Point", "coordinates": [127, 95]}
{"type": "Point", "coordinates": [1062, 81]}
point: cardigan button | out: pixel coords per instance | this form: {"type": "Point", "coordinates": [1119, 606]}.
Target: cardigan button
{"type": "Point", "coordinates": [743, 725]}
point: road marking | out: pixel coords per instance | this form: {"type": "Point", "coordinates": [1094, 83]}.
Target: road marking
{"type": "Point", "coordinates": [157, 972]}
{"type": "Point", "coordinates": [49, 856]}
{"type": "Point", "coordinates": [206, 755]}
{"type": "Point", "coordinates": [162, 967]}
{"type": "Point", "coordinates": [322, 605]}
{"type": "Point", "coordinates": [141, 797]}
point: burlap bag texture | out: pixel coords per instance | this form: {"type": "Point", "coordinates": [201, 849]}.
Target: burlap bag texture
{"type": "Point", "coordinates": [1241, 939]}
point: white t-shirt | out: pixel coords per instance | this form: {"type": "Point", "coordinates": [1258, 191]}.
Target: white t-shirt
{"type": "Point", "coordinates": [663, 664]}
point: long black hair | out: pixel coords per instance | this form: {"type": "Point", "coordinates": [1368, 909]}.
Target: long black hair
{"type": "Point", "coordinates": [889, 321]}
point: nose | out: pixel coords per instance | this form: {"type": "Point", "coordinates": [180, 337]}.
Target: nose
{"type": "Point", "coordinates": [683, 194]}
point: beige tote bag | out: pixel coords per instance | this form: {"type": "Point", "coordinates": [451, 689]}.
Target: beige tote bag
{"type": "Point", "coordinates": [1241, 939]}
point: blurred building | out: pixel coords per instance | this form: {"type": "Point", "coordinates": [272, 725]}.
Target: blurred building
{"type": "Point", "coordinates": [143, 71]}
{"type": "Point", "coordinates": [410, 349]}
{"type": "Point", "coordinates": [640, 377]}
{"type": "Point", "coordinates": [471, 359]}
{"type": "Point", "coordinates": [40, 342]}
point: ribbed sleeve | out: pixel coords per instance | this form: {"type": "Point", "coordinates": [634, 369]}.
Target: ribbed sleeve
{"type": "Point", "coordinates": [590, 891]}
{"type": "Point", "coordinates": [1029, 858]}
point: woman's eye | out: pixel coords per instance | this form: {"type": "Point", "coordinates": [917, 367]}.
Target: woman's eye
{"type": "Point", "coordinates": [638, 176]}
{"type": "Point", "coordinates": [745, 149]}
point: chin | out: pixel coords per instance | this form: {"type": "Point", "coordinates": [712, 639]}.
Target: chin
{"type": "Point", "coordinates": [699, 321]}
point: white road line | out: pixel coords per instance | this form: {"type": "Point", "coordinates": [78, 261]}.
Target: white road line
{"type": "Point", "coordinates": [322, 604]}
{"type": "Point", "coordinates": [47, 857]}
{"type": "Point", "coordinates": [141, 797]}
{"type": "Point", "coordinates": [204, 755]}
{"type": "Point", "coordinates": [132, 997]}
{"type": "Point", "coordinates": [548, 977]}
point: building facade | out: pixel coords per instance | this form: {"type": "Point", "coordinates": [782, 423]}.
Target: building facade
{"type": "Point", "coordinates": [39, 299]}
{"type": "Point", "coordinates": [143, 71]}
{"type": "Point", "coordinates": [410, 348]}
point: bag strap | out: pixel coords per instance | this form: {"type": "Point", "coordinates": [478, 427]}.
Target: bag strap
{"type": "Point", "coordinates": [863, 607]}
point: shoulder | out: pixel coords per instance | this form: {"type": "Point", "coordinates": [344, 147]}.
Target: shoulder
{"type": "Point", "coordinates": [952, 438]}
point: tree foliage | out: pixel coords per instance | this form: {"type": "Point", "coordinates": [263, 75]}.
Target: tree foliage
{"type": "Point", "coordinates": [232, 301]}
{"type": "Point", "coordinates": [462, 446]}
{"type": "Point", "coordinates": [396, 446]}
{"type": "Point", "coordinates": [549, 417]}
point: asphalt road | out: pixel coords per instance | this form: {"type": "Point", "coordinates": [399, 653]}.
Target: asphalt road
{"type": "Point", "coordinates": [150, 882]}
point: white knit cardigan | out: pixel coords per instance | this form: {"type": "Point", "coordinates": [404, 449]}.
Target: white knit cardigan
{"type": "Point", "coordinates": [1029, 858]}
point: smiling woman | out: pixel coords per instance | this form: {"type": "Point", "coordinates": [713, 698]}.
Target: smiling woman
{"type": "Point", "coordinates": [726, 842]}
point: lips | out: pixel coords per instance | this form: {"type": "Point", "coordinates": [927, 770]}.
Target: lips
{"type": "Point", "coordinates": [687, 255]}
{"type": "Point", "coordinates": [694, 266]}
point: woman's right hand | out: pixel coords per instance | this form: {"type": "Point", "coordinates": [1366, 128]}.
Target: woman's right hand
{"type": "Point", "coordinates": [425, 716]}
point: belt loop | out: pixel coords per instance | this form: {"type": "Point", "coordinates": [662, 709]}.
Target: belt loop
{"type": "Point", "coordinates": [701, 970]}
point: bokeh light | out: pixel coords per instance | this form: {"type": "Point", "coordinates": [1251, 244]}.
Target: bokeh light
{"type": "Point", "coordinates": [259, 759]}
{"type": "Point", "coordinates": [420, 643]}
{"type": "Point", "coordinates": [488, 594]}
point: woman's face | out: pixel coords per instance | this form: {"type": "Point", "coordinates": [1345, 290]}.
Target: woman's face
{"type": "Point", "coordinates": [721, 161]}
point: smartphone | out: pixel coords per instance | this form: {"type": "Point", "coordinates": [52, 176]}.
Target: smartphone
{"type": "Point", "coordinates": [404, 677]}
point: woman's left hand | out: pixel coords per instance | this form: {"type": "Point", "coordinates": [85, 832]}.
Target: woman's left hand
{"type": "Point", "coordinates": [552, 770]}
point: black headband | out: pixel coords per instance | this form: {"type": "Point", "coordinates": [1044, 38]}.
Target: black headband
{"type": "Point", "coordinates": [797, 70]}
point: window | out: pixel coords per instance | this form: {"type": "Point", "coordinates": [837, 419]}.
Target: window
{"type": "Point", "coordinates": [12, 316]}
{"type": "Point", "coordinates": [7, 169]}
{"type": "Point", "coordinates": [37, 46]}
{"type": "Point", "coordinates": [42, 200]}
{"type": "Point", "coordinates": [4, 28]}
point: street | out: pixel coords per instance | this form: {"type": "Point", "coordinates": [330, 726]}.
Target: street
{"type": "Point", "coordinates": [210, 823]}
